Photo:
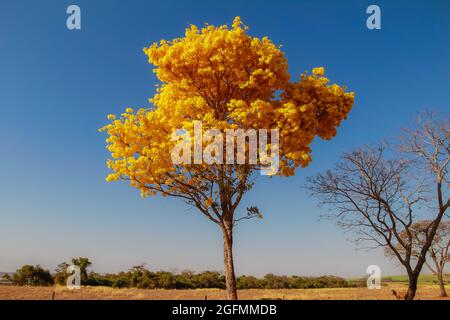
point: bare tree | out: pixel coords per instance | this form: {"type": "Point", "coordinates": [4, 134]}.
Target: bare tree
{"type": "Point", "coordinates": [438, 252]}
{"type": "Point", "coordinates": [378, 193]}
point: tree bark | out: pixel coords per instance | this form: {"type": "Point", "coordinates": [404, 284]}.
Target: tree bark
{"type": "Point", "coordinates": [230, 277]}
{"type": "Point", "coordinates": [412, 287]}
{"type": "Point", "coordinates": [440, 277]}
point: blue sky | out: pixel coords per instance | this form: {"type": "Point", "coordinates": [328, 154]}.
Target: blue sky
{"type": "Point", "coordinates": [57, 86]}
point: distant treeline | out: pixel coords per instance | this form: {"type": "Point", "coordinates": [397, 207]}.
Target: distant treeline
{"type": "Point", "coordinates": [140, 277]}
{"type": "Point", "coordinates": [209, 279]}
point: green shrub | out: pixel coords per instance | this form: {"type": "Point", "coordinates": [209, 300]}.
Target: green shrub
{"type": "Point", "coordinates": [30, 275]}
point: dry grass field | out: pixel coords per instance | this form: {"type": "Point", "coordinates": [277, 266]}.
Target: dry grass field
{"type": "Point", "coordinates": [425, 292]}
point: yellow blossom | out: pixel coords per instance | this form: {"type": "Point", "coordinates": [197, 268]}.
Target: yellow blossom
{"type": "Point", "coordinates": [227, 79]}
{"type": "Point", "coordinates": [319, 71]}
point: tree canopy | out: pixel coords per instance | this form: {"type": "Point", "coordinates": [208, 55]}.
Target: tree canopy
{"type": "Point", "coordinates": [227, 79]}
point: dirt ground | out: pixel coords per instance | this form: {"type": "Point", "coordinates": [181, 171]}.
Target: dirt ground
{"type": "Point", "coordinates": [425, 292]}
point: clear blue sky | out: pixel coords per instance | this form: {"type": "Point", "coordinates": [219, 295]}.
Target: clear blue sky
{"type": "Point", "coordinates": [57, 86]}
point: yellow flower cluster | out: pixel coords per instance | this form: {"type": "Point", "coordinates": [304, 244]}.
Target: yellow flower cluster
{"type": "Point", "coordinates": [227, 79]}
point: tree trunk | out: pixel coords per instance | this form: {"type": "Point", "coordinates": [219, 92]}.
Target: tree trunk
{"type": "Point", "coordinates": [412, 287]}
{"type": "Point", "coordinates": [440, 277]}
{"type": "Point", "coordinates": [230, 277]}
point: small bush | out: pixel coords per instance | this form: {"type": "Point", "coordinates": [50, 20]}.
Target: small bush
{"type": "Point", "coordinates": [30, 275]}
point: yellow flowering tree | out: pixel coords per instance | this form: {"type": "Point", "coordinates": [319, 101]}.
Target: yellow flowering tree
{"type": "Point", "coordinates": [226, 79]}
